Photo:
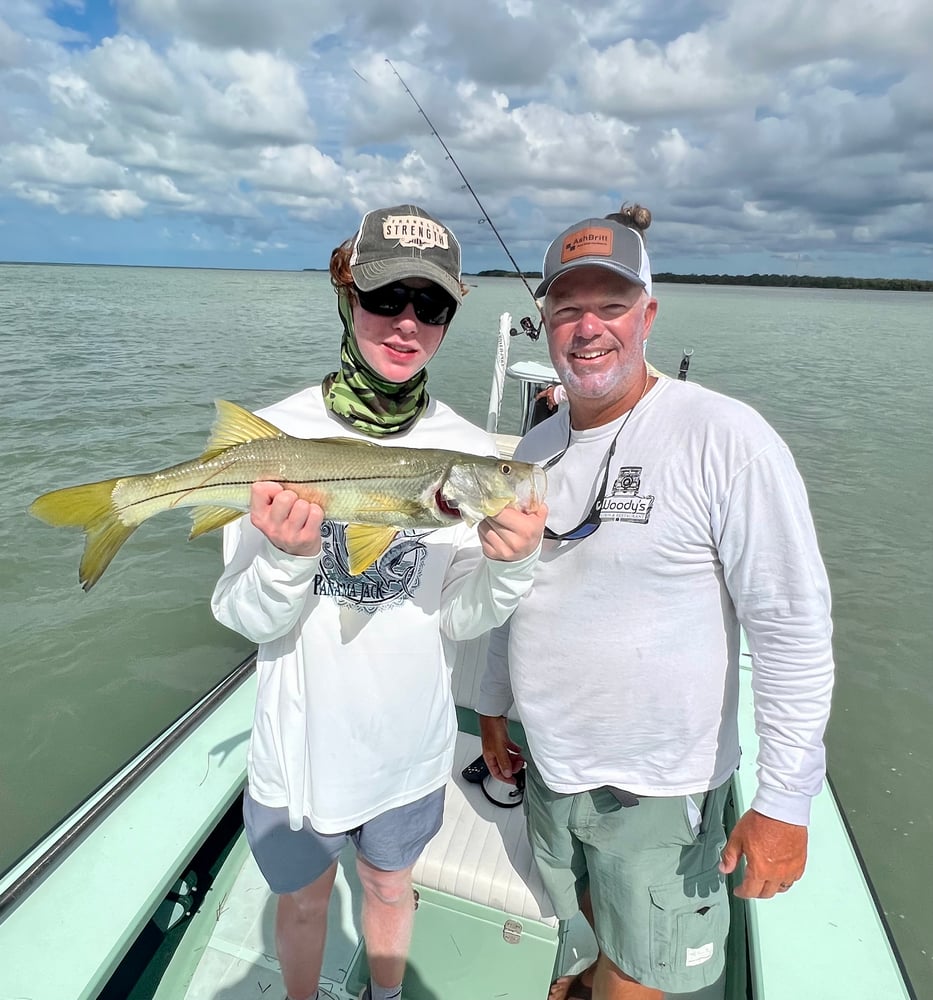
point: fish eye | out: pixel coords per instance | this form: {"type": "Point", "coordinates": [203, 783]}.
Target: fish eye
{"type": "Point", "coordinates": [505, 469]}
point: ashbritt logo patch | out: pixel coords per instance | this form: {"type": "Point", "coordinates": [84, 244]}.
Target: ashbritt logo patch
{"type": "Point", "coordinates": [594, 241]}
{"type": "Point", "coordinates": [624, 502]}
{"type": "Point", "coordinates": [414, 231]}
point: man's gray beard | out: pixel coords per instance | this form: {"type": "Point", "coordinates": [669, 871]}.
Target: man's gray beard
{"type": "Point", "coordinates": [591, 387]}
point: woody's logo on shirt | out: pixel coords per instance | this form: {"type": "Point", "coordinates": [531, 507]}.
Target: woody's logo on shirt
{"type": "Point", "coordinates": [624, 503]}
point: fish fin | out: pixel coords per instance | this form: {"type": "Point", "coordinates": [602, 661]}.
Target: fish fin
{"type": "Point", "coordinates": [205, 519]}
{"type": "Point", "coordinates": [75, 506]}
{"type": "Point", "coordinates": [104, 539]}
{"type": "Point", "coordinates": [89, 507]}
{"type": "Point", "coordinates": [366, 543]}
{"type": "Point", "coordinates": [236, 425]}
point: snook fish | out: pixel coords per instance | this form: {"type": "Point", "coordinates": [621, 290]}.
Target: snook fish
{"type": "Point", "coordinates": [376, 490]}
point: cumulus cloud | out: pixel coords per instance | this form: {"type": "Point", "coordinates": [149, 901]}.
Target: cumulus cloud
{"type": "Point", "coordinates": [761, 128]}
{"type": "Point", "coordinates": [283, 25]}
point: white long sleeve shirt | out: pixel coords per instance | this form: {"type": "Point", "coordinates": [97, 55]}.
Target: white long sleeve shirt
{"type": "Point", "coordinates": [354, 714]}
{"type": "Point", "coordinates": [623, 658]}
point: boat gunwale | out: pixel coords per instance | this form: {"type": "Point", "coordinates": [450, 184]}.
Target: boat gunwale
{"type": "Point", "coordinates": [91, 810]}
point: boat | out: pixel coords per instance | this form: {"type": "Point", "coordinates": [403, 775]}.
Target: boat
{"type": "Point", "coordinates": [148, 890]}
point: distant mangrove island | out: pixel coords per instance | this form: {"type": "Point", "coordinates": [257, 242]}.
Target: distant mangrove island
{"type": "Point", "coordinates": [770, 280]}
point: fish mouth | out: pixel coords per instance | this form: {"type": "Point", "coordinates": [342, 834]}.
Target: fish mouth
{"type": "Point", "coordinates": [538, 487]}
{"type": "Point", "coordinates": [533, 490]}
{"type": "Point", "coordinates": [447, 508]}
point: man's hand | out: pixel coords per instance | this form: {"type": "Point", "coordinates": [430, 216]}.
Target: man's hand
{"type": "Point", "coordinates": [512, 534]}
{"type": "Point", "coordinates": [503, 757]}
{"type": "Point", "coordinates": [291, 524]}
{"type": "Point", "coordinates": [552, 396]}
{"type": "Point", "coordinates": [775, 855]}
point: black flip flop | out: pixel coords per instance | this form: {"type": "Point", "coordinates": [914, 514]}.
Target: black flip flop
{"type": "Point", "coordinates": [475, 772]}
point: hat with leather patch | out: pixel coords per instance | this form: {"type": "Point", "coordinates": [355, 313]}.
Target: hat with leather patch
{"type": "Point", "coordinates": [597, 243]}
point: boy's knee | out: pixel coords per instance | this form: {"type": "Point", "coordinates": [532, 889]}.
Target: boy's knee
{"type": "Point", "coordinates": [388, 888]}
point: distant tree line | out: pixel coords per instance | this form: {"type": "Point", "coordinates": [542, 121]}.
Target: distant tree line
{"type": "Point", "coordinates": [799, 281]}
{"type": "Point", "coordinates": [496, 273]}
{"type": "Point", "coordinates": [773, 280]}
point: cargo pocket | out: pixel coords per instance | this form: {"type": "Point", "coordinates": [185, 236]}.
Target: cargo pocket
{"type": "Point", "coordinates": [688, 933]}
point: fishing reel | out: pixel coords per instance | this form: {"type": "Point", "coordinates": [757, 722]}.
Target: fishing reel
{"type": "Point", "coordinates": [528, 328]}
{"type": "Point", "coordinates": [684, 365]}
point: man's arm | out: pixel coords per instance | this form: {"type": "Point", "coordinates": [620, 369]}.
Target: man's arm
{"type": "Point", "coordinates": [778, 583]}
{"type": "Point", "coordinates": [503, 756]}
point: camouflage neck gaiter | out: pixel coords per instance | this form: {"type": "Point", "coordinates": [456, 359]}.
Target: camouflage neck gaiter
{"type": "Point", "coordinates": [364, 400]}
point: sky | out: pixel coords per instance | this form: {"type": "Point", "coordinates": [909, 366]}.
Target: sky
{"type": "Point", "coordinates": [785, 136]}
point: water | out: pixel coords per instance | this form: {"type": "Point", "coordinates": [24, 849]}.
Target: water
{"type": "Point", "coordinates": [112, 370]}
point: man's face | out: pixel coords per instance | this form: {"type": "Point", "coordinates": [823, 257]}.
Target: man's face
{"type": "Point", "coordinates": [597, 323]}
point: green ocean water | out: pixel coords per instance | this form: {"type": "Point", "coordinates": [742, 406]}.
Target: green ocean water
{"type": "Point", "coordinates": [109, 370]}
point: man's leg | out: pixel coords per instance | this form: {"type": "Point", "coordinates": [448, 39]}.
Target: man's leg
{"type": "Point", "coordinates": [611, 983]}
{"type": "Point", "coordinates": [561, 987]}
{"type": "Point", "coordinates": [300, 930]}
{"type": "Point", "coordinates": [659, 901]}
{"type": "Point", "coordinates": [388, 918]}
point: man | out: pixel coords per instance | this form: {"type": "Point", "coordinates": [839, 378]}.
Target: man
{"type": "Point", "coordinates": [677, 515]}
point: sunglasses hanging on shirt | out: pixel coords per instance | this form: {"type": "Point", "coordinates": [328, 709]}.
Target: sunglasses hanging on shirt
{"type": "Point", "coordinates": [592, 521]}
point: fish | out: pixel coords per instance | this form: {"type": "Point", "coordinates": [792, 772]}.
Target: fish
{"type": "Point", "coordinates": [375, 490]}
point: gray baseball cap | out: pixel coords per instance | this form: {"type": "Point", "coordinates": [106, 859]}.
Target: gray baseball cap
{"type": "Point", "coordinates": [405, 242]}
{"type": "Point", "coordinates": [600, 243]}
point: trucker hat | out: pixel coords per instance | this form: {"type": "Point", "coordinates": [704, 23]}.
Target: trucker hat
{"type": "Point", "coordinates": [600, 243]}
{"type": "Point", "coordinates": [405, 242]}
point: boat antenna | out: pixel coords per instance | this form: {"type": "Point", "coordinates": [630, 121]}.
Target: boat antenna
{"type": "Point", "coordinates": [527, 326]}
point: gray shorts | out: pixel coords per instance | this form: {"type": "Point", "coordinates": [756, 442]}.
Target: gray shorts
{"type": "Point", "coordinates": [291, 859]}
{"type": "Point", "coordinates": [660, 904]}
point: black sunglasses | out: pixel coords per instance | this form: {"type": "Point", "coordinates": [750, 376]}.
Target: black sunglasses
{"type": "Point", "coordinates": [432, 305]}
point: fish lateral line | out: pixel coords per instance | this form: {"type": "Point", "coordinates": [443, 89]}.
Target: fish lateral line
{"type": "Point", "coordinates": [182, 492]}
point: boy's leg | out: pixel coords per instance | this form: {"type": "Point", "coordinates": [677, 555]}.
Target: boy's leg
{"type": "Point", "coordinates": [388, 918]}
{"type": "Point", "coordinates": [300, 867]}
{"type": "Point", "coordinates": [388, 847]}
{"type": "Point", "coordinates": [300, 931]}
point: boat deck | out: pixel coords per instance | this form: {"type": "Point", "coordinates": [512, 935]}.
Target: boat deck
{"type": "Point", "coordinates": [239, 963]}
{"type": "Point", "coordinates": [824, 939]}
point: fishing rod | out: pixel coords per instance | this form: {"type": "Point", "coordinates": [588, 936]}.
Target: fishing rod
{"type": "Point", "coordinates": [527, 325]}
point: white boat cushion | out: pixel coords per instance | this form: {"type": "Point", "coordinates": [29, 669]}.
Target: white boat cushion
{"type": "Point", "coordinates": [481, 853]}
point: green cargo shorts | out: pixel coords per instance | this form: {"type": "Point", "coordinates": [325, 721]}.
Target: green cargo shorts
{"type": "Point", "coordinates": [660, 904]}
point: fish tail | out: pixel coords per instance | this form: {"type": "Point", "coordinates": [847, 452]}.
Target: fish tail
{"type": "Point", "coordinates": [91, 508]}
